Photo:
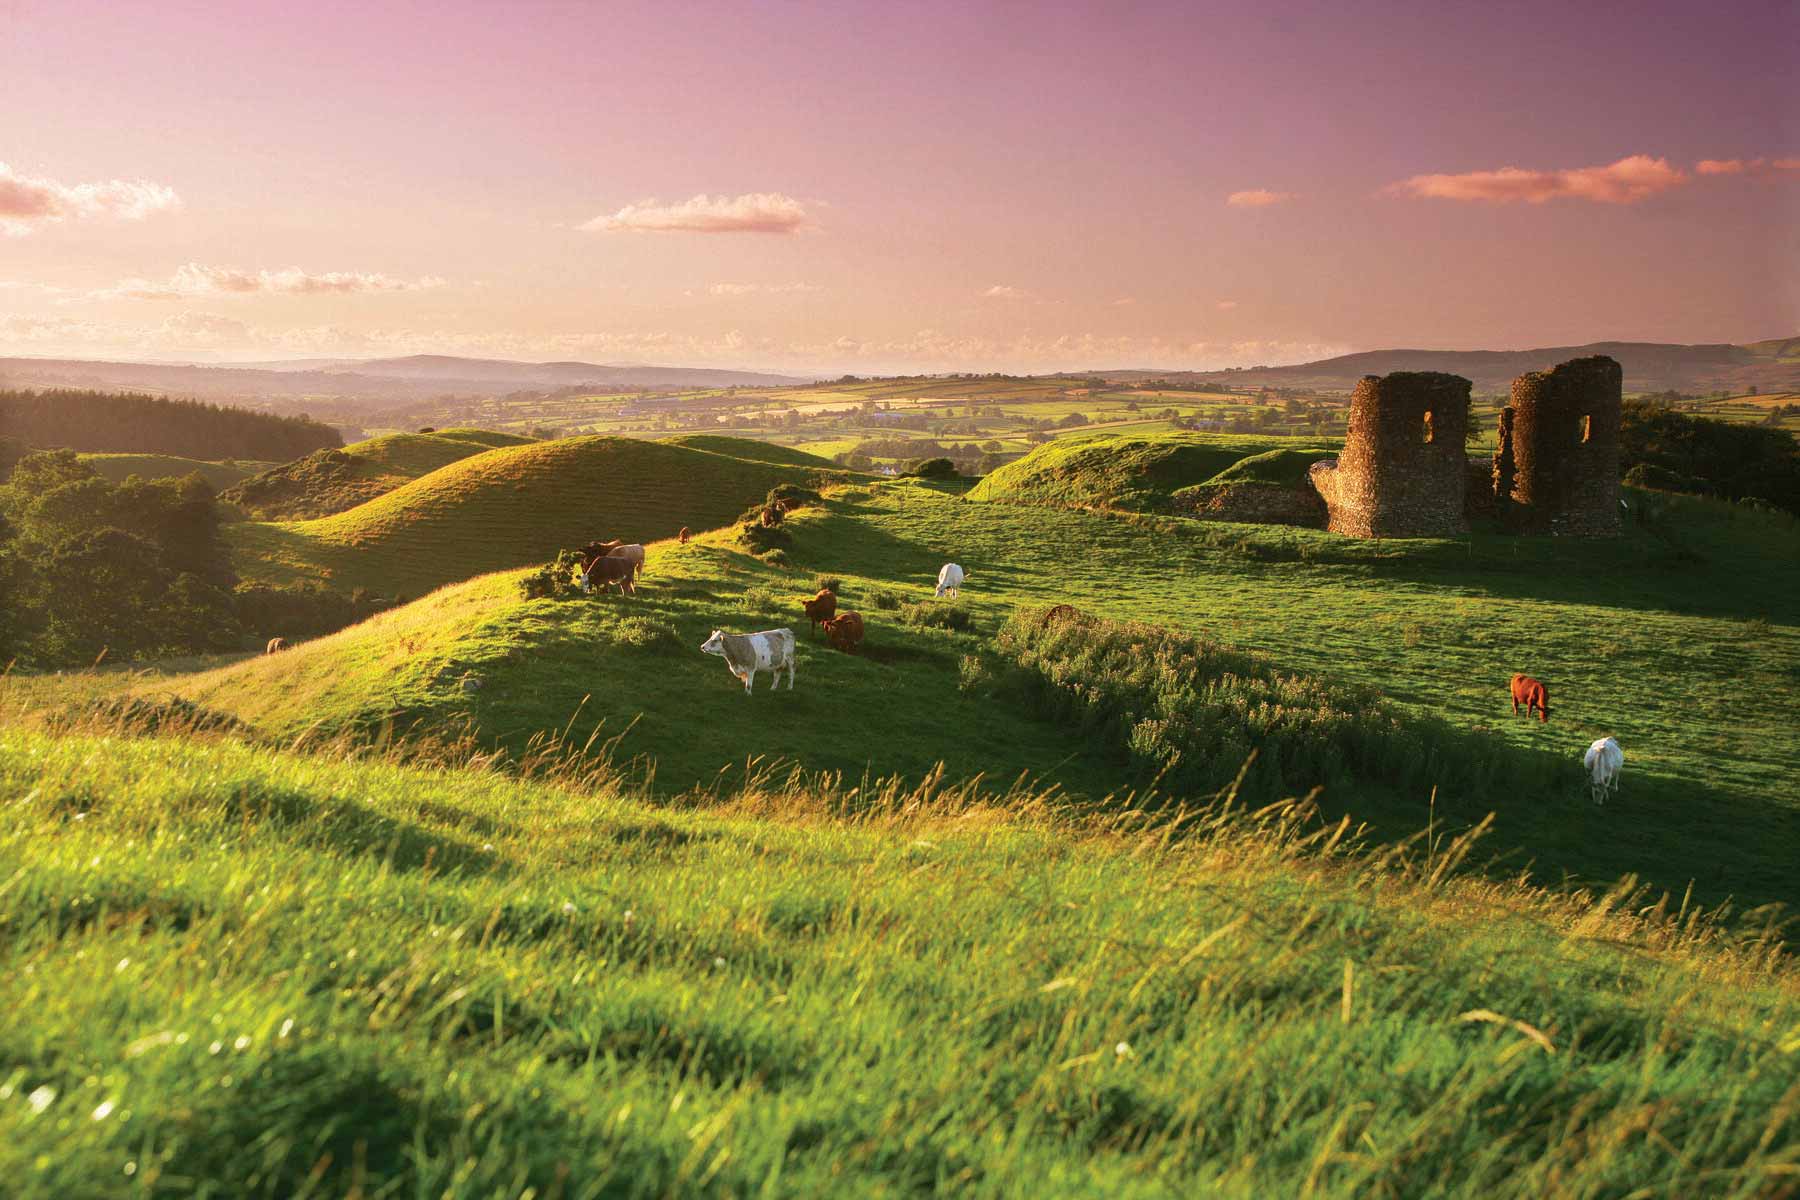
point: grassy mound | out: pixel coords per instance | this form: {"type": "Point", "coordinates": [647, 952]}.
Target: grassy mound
{"type": "Point", "coordinates": [1286, 467]}
{"type": "Point", "coordinates": [221, 475]}
{"type": "Point", "coordinates": [231, 972]}
{"type": "Point", "coordinates": [508, 507]}
{"type": "Point", "coordinates": [331, 481]}
{"type": "Point", "coordinates": [751, 449]}
{"type": "Point", "coordinates": [1117, 471]}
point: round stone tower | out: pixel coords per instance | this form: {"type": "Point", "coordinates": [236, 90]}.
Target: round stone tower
{"type": "Point", "coordinates": [1402, 472]}
{"type": "Point", "coordinates": [1564, 446]}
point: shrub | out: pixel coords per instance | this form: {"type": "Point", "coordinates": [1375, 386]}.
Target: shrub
{"type": "Point", "coordinates": [828, 583]}
{"type": "Point", "coordinates": [886, 599]}
{"type": "Point", "coordinates": [302, 610]}
{"type": "Point", "coordinates": [931, 468]}
{"type": "Point", "coordinates": [555, 579]}
{"type": "Point", "coordinates": [937, 614]}
{"type": "Point", "coordinates": [762, 539]}
{"type": "Point", "coordinates": [792, 495]}
{"type": "Point", "coordinates": [642, 633]}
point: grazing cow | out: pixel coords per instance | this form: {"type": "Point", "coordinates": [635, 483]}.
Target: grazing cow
{"type": "Point", "coordinates": [276, 645]}
{"type": "Point", "coordinates": [821, 607]}
{"type": "Point", "coordinates": [595, 550]}
{"type": "Point", "coordinates": [684, 535]}
{"type": "Point", "coordinates": [633, 554]}
{"type": "Point", "coordinates": [604, 572]}
{"type": "Point", "coordinates": [950, 579]}
{"type": "Point", "coordinates": [747, 653]}
{"type": "Point", "coordinates": [1532, 694]}
{"type": "Point", "coordinates": [1603, 760]}
{"type": "Point", "coordinates": [771, 515]}
{"type": "Point", "coordinates": [845, 632]}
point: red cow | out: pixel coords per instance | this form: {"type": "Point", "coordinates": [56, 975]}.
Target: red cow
{"type": "Point", "coordinates": [845, 632]}
{"type": "Point", "coordinates": [1532, 694]}
{"type": "Point", "coordinates": [821, 607]}
{"type": "Point", "coordinates": [684, 535]}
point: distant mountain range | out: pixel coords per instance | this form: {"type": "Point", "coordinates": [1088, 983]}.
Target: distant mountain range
{"type": "Point", "coordinates": [407, 378]}
{"type": "Point", "coordinates": [1772, 365]}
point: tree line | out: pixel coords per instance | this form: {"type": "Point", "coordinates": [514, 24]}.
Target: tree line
{"type": "Point", "coordinates": [122, 422]}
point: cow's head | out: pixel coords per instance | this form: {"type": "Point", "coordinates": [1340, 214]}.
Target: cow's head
{"type": "Point", "coordinates": [714, 644]}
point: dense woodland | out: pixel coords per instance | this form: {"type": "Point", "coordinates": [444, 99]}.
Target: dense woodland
{"type": "Point", "coordinates": [91, 568]}
{"type": "Point", "coordinates": [103, 422]}
{"type": "Point", "coordinates": [1678, 452]}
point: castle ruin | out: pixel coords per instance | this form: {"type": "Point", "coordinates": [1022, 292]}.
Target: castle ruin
{"type": "Point", "coordinates": [1403, 471]}
{"type": "Point", "coordinates": [1558, 458]}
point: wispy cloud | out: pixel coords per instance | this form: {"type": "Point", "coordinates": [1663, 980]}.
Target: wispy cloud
{"type": "Point", "coordinates": [1624, 182]}
{"type": "Point", "coordinates": [754, 212]}
{"type": "Point", "coordinates": [28, 203]}
{"type": "Point", "coordinates": [1226, 305]}
{"type": "Point", "coordinates": [1258, 198]}
{"type": "Point", "coordinates": [196, 280]}
{"type": "Point", "coordinates": [1006, 291]}
{"type": "Point", "coordinates": [1124, 301]}
{"type": "Point", "coordinates": [1745, 166]}
{"type": "Point", "coordinates": [766, 289]}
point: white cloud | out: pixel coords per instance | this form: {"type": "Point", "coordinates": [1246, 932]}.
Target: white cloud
{"type": "Point", "coordinates": [28, 203]}
{"type": "Point", "coordinates": [767, 289]}
{"type": "Point", "coordinates": [1624, 182]}
{"type": "Point", "coordinates": [1226, 305]}
{"type": "Point", "coordinates": [195, 280]}
{"type": "Point", "coordinates": [1005, 291]}
{"type": "Point", "coordinates": [1258, 198]}
{"type": "Point", "coordinates": [754, 212]}
{"type": "Point", "coordinates": [1124, 301]}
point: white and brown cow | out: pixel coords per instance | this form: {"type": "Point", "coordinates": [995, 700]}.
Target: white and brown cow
{"type": "Point", "coordinates": [747, 653]}
{"type": "Point", "coordinates": [633, 554]}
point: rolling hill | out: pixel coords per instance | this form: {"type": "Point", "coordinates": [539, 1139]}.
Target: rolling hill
{"type": "Point", "coordinates": [331, 481]}
{"type": "Point", "coordinates": [508, 507]}
{"type": "Point", "coordinates": [1770, 365]}
{"type": "Point", "coordinates": [221, 475]}
{"type": "Point", "coordinates": [1128, 471]}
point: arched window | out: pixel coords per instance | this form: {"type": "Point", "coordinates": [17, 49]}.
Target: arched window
{"type": "Point", "coordinates": [1587, 428]}
{"type": "Point", "coordinates": [1430, 434]}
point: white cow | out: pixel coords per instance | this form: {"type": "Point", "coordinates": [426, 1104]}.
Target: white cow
{"type": "Point", "coordinates": [950, 579]}
{"type": "Point", "coordinates": [1603, 760]}
{"type": "Point", "coordinates": [633, 554]}
{"type": "Point", "coordinates": [748, 653]}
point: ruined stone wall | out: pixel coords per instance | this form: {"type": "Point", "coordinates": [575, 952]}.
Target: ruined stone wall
{"type": "Point", "coordinates": [1564, 448]}
{"type": "Point", "coordinates": [1402, 472]}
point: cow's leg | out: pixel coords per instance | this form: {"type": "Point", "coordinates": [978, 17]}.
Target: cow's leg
{"type": "Point", "coordinates": [749, 680]}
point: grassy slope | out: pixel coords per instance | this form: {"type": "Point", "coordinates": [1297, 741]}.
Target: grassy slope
{"type": "Point", "coordinates": [231, 972]}
{"type": "Point", "coordinates": [1118, 471]}
{"type": "Point", "coordinates": [1689, 657]}
{"type": "Point", "coordinates": [508, 507]}
{"type": "Point", "coordinates": [755, 451]}
{"type": "Point", "coordinates": [221, 475]}
{"type": "Point", "coordinates": [375, 465]}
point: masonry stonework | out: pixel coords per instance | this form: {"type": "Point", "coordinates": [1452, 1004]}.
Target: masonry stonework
{"type": "Point", "coordinates": [1560, 438]}
{"type": "Point", "coordinates": [1403, 471]}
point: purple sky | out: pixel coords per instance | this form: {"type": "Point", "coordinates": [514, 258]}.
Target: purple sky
{"type": "Point", "coordinates": [923, 186]}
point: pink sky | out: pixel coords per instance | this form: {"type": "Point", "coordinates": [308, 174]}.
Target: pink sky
{"type": "Point", "coordinates": [929, 186]}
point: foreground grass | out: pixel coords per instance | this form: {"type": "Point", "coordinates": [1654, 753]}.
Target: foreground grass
{"type": "Point", "coordinates": [236, 973]}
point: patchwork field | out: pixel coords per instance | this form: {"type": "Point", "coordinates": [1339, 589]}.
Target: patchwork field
{"type": "Point", "coordinates": [220, 475]}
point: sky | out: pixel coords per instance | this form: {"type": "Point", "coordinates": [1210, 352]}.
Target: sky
{"type": "Point", "coordinates": [879, 188]}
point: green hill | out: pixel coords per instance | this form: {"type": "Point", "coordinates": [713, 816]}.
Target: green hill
{"type": "Point", "coordinates": [1140, 472]}
{"type": "Point", "coordinates": [755, 451]}
{"type": "Point", "coordinates": [509, 507]}
{"type": "Point", "coordinates": [221, 475]}
{"type": "Point", "coordinates": [331, 481]}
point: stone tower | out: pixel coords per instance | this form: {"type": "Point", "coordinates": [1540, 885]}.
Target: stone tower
{"type": "Point", "coordinates": [1402, 472]}
{"type": "Point", "coordinates": [1562, 442]}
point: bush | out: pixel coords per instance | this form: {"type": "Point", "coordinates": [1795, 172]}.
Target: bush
{"type": "Point", "coordinates": [1661, 479]}
{"type": "Point", "coordinates": [885, 599]}
{"type": "Point", "coordinates": [792, 495]}
{"type": "Point", "coordinates": [302, 610]}
{"type": "Point", "coordinates": [762, 539]}
{"type": "Point", "coordinates": [1712, 457]}
{"type": "Point", "coordinates": [930, 468]}
{"type": "Point", "coordinates": [937, 614]}
{"type": "Point", "coordinates": [556, 579]}
{"type": "Point", "coordinates": [642, 633]}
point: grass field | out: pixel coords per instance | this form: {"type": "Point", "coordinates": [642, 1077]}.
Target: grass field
{"type": "Point", "coordinates": [511, 506]}
{"type": "Point", "coordinates": [221, 475]}
{"type": "Point", "coordinates": [1119, 469]}
{"type": "Point", "coordinates": [241, 973]}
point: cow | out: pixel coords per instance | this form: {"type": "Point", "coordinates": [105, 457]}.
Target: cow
{"type": "Point", "coordinates": [276, 645]}
{"type": "Point", "coordinates": [950, 579]}
{"type": "Point", "coordinates": [821, 607]}
{"type": "Point", "coordinates": [633, 554]}
{"type": "Point", "coordinates": [684, 535]}
{"type": "Point", "coordinates": [771, 515]}
{"type": "Point", "coordinates": [845, 631]}
{"type": "Point", "coordinates": [594, 550]}
{"type": "Point", "coordinates": [1532, 694]}
{"type": "Point", "coordinates": [747, 653]}
{"type": "Point", "coordinates": [1603, 760]}
{"type": "Point", "coordinates": [605, 572]}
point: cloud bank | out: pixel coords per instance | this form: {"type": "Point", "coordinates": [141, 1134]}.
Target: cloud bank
{"type": "Point", "coordinates": [1624, 182]}
{"type": "Point", "coordinates": [196, 280]}
{"type": "Point", "coordinates": [766, 289]}
{"type": "Point", "coordinates": [1257, 198]}
{"type": "Point", "coordinates": [754, 212]}
{"type": "Point", "coordinates": [28, 204]}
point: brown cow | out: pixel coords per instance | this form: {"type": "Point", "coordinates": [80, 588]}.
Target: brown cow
{"type": "Point", "coordinates": [845, 632]}
{"type": "Point", "coordinates": [821, 607]}
{"type": "Point", "coordinates": [684, 535]}
{"type": "Point", "coordinates": [1532, 694]}
{"type": "Point", "coordinates": [594, 550]}
{"type": "Point", "coordinates": [771, 515]}
{"type": "Point", "coordinates": [602, 573]}
{"type": "Point", "coordinates": [276, 645]}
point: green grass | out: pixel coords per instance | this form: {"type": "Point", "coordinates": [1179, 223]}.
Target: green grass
{"type": "Point", "coordinates": [508, 507]}
{"type": "Point", "coordinates": [754, 451]}
{"type": "Point", "coordinates": [332, 481]}
{"type": "Point", "coordinates": [221, 475]}
{"type": "Point", "coordinates": [231, 972]}
{"type": "Point", "coordinates": [1117, 471]}
{"type": "Point", "coordinates": [1286, 467]}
